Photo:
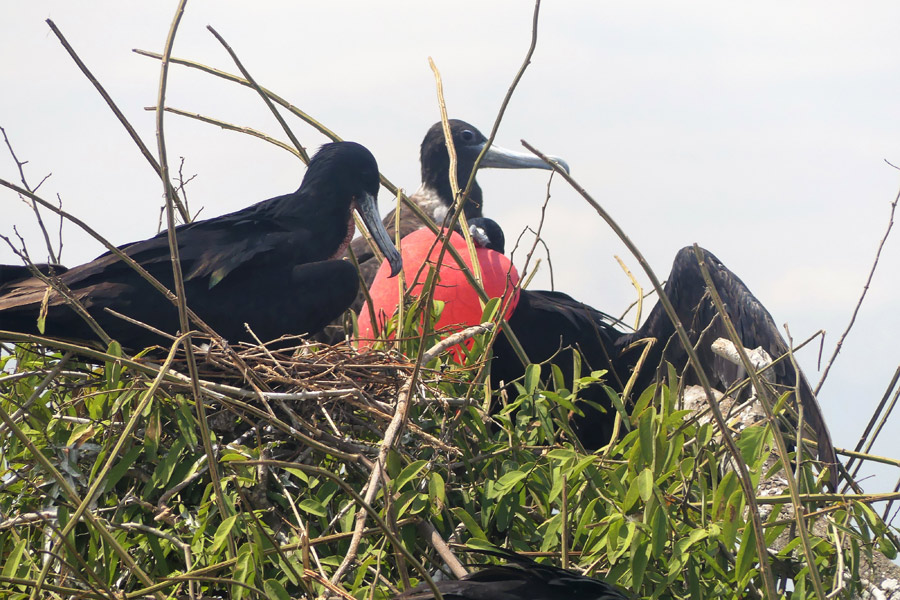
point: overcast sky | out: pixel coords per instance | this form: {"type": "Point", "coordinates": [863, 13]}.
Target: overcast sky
{"type": "Point", "coordinates": [759, 131]}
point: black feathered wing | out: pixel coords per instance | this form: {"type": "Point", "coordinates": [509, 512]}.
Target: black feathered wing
{"type": "Point", "coordinates": [686, 289]}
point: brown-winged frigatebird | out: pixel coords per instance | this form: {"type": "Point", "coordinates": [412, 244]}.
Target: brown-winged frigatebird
{"type": "Point", "coordinates": [521, 578]}
{"type": "Point", "coordinates": [550, 324]}
{"type": "Point", "coordinates": [274, 265]}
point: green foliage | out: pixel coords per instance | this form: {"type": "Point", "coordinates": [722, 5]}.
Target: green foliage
{"type": "Point", "coordinates": [658, 512]}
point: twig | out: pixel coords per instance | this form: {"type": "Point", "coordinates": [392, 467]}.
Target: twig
{"type": "Point", "coordinates": [640, 293]}
{"type": "Point", "coordinates": [840, 342]}
{"type": "Point", "coordinates": [743, 473]}
{"type": "Point", "coordinates": [39, 389]}
{"type": "Point", "coordinates": [262, 94]}
{"type": "Point", "coordinates": [119, 115]}
{"type": "Point", "coordinates": [54, 258]}
{"type": "Point", "coordinates": [183, 317]}
{"type": "Point", "coordinates": [434, 538]}
{"type": "Point", "coordinates": [393, 431]}
{"type": "Point", "coordinates": [367, 508]}
{"type": "Point", "coordinates": [231, 127]}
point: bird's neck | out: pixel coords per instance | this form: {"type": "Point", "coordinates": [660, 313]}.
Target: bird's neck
{"type": "Point", "coordinates": [330, 220]}
{"type": "Point", "coordinates": [436, 200]}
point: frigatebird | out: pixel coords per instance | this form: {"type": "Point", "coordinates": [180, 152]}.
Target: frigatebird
{"type": "Point", "coordinates": [274, 265]}
{"type": "Point", "coordinates": [550, 324]}
{"type": "Point", "coordinates": [434, 196]}
{"type": "Point", "coordinates": [521, 578]}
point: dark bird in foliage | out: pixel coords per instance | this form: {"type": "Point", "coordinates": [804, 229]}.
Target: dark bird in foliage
{"type": "Point", "coordinates": [274, 265]}
{"type": "Point", "coordinates": [434, 196]}
{"type": "Point", "coordinates": [521, 578]}
{"type": "Point", "coordinates": [549, 325]}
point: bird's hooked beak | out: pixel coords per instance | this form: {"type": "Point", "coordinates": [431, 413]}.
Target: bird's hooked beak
{"type": "Point", "coordinates": [501, 158]}
{"type": "Point", "coordinates": [368, 210]}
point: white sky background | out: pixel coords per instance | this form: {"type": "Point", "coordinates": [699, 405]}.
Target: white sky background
{"type": "Point", "coordinates": [759, 131]}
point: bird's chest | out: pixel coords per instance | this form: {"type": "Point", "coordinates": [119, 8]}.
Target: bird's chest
{"type": "Point", "coordinates": [348, 236]}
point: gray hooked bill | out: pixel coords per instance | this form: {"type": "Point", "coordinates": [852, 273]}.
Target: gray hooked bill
{"type": "Point", "coordinates": [501, 158]}
{"type": "Point", "coordinates": [368, 210]}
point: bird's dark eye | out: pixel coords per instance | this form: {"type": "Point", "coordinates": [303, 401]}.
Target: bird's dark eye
{"type": "Point", "coordinates": [467, 136]}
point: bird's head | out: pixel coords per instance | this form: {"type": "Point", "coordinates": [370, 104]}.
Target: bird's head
{"type": "Point", "coordinates": [351, 173]}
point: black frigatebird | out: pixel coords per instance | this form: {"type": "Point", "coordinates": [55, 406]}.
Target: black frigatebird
{"type": "Point", "coordinates": [550, 324]}
{"type": "Point", "coordinates": [434, 196]}
{"type": "Point", "coordinates": [521, 578]}
{"type": "Point", "coordinates": [274, 265]}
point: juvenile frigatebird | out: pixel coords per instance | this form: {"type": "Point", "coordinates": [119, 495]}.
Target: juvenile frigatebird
{"type": "Point", "coordinates": [434, 196]}
{"type": "Point", "coordinates": [521, 578]}
{"type": "Point", "coordinates": [274, 265]}
{"type": "Point", "coordinates": [550, 324]}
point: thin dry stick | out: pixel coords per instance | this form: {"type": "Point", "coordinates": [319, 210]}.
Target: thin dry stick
{"type": "Point", "coordinates": [231, 127]}
{"type": "Point", "coordinates": [183, 318]}
{"type": "Point", "coordinates": [511, 337]}
{"type": "Point", "coordinates": [640, 293]}
{"type": "Point", "coordinates": [743, 473]}
{"type": "Point", "coordinates": [109, 101]}
{"type": "Point", "coordinates": [871, 424]}
{"type": "Point", "coordinates": [840, 343]}
{"type": "Point", "coordinates": [263, 95]}
{"type": "Point", "coordinates": [454, 184]}
{"type": "Point", "coordinates": [393, 431]}
{"type": "Point", "coordinates": [367, 508]}
{"type": "Point", "coordinates": [765, 401]}
{"type": "Point", "coordinates": [434, 538]}
{"type": "Point", "coordinates": [248, 375]}
{"type": "Point", "coordinates": [37, 213]}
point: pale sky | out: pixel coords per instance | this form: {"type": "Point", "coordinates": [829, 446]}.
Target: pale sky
{"type": "Point", "coordinates": [759, 131]}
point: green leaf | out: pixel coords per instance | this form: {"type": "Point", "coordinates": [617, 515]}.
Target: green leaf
{"type": "Point", "coordinates": [243, 571]}
{"type": "Point", "coordinates": [640, 556]}
{"type": "Point", "coordinates": [751, 443]}
{"type": "Point", "coordinates": [313, 507]}
{"type": "Point", "coordinates": [120, 468]}
{"type": "Point", "coordinates": [437, 493]}
{"type": "Point", "coordinates": [507, 482]}
{"type": "Point", "coordinates": [11, 566]}
{"type": "Point", "coordinates": [469, 522]}
{"type": "Point", "coordinates": [222, 533]}
{"type": "Point", "coordinates": [733, 519]}
{"type": "Point", "coordinates": [660, 532]}
{"type": "Point", "coordinates": [532, 378]}
{"type": "Point", "coordinates": [407, 474]}
{"type": "Point", "coordinates": [746, 556]}
{"type": "Point", "coordinates": [645, 484]}
{"type": "Point", "coordinates": [631, 496]}
{"type": "Point", "coordinates": [274, 590]}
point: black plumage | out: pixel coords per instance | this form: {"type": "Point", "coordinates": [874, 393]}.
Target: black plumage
{"type": "Point", "coordinates": [274, 265]}
{"type": "Point", "coordinates": [11, 273]}
{"type": "Point", "coordinates": [521, 578]}
{"type": "Point", "coordinates": [434, 196]}
{"type": "Point", "coordinates": [550, 324]}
